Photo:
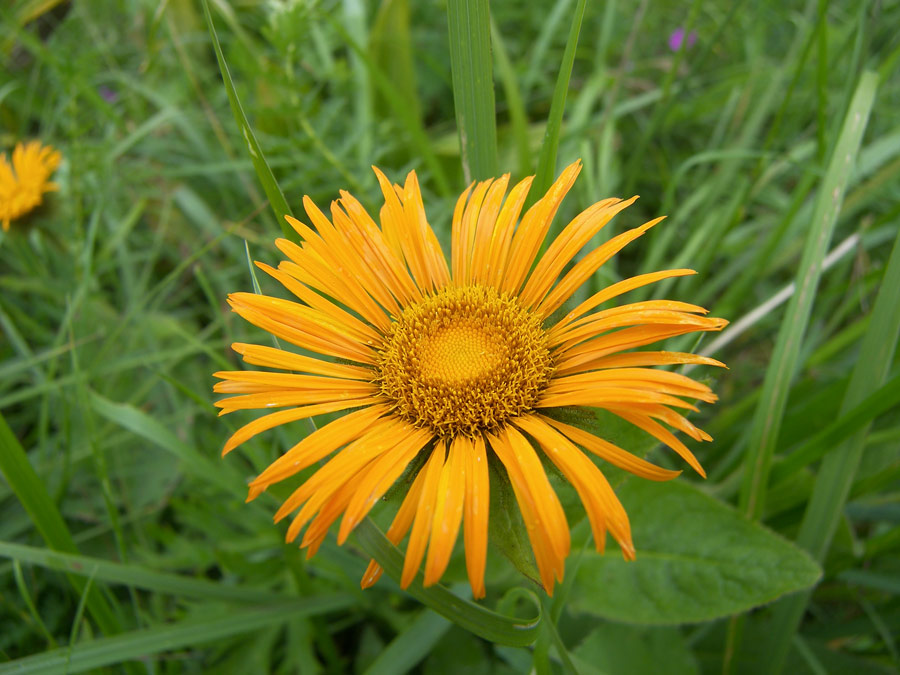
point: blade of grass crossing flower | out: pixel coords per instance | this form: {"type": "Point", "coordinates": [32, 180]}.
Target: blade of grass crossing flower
{"type": "Point", "coordinates": [140, 644]}
{"type": "Point", "coordinates": [498, 628]}
{"type": "Point", "coordinates": [411, 646]}
{"type": "Point", "coordinates": [270, 186]}
{"type": "Point", "coordinates": [33, 495]}
{"type": "Point", "coordinates": [838, 469]}
{"type": "Point", "coordinates": [469, 22]}
{"type": "Point", "coordinates": [770, 410]}
{"type": "Point", "coordinates": [546, 169]}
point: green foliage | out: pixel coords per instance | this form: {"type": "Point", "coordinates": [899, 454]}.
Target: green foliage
{"type": "Point", "coordinates": [698, 560]}
{"type": "Point", "coordinates": [188, 130]}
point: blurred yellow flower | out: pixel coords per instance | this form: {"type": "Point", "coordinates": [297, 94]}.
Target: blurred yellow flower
{"type": "Point", "coordinates": [452, 367]}
{"type": "Point", "coordinates": [23, 184]}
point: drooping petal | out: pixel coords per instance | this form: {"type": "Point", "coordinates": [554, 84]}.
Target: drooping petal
{"type": "Point", "coordinates": [540, 507]}
{"type": "Point", "coordinates": [477, 507]}
{"type": "Point", "coordinates": [610, 452]}
{"type": "Point", "coordinates": [399, 527]}
{"type": "Point", "coordinates": [604, 510]}
{"type": "Point", "coordinates": [421, 529]}
{"type": "Point", "coordinates": [379, 478]}
{"type": "Point", "coordinates": [448, 510]}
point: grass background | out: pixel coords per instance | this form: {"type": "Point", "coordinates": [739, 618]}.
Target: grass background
{"type": "Point", "coordinates": [113, 317]}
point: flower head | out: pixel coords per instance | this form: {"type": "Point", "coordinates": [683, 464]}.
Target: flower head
{"type": "Point", "coordinates": [449, 367]}
{"type": "Point", "coordinates": [22, 185]}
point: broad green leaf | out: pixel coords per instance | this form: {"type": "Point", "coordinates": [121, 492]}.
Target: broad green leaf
{"type": "Point", "coordinates": [697, 560]}
{"type": "Point", "coordinates": [614, 648]}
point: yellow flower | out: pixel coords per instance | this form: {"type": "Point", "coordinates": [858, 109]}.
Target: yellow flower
{"type": "Point", "coordinates": [22, 185]}
{"type": "Point", "coordinates": [448, 368]}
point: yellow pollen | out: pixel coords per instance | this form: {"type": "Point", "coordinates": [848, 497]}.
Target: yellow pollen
{"type": "Point", "coordinates": [463, 361]}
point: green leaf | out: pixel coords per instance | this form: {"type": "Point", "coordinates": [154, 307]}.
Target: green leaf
{"type": "Point", "coordinates": [473, 86]}
{"type": "Point", "coordinates": [693, 555]}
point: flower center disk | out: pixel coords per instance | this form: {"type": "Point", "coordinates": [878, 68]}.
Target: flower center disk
{"type": "Point", "coordinates": [464, 360]}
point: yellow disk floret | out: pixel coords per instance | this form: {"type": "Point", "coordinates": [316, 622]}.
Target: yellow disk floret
{"type": "Point", "coordinates": [464, 360]}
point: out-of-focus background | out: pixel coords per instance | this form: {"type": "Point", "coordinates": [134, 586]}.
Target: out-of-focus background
{"type": "Point", "coordinates": [727, 117]}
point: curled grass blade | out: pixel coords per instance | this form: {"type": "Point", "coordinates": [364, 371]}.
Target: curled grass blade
{"type": "Point", "coordinates": [492, 626]}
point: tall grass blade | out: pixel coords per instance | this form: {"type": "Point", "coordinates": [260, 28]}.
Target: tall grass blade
{"type": "Point", "coordinates": [142, 644]}
{"type": "Point", "coordinates": [264, 173]}
{"type": "Point", "coordinates": [838, 469]}
{"type": "Point", "coordinates": [473, 86]}
{"type": "Point", "coordinates": [779, 375]}
{"type": "Point", "coordinates": [547, 159]}
{"type": "Point", "coordinates": [42, 510]}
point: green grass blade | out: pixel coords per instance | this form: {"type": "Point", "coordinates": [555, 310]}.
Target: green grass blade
{"type": "Point", "coordinates": [270, 186]}
{"type": "Point", "coordinates": [879, 401]}
{"type": "Point", "coordinates": [145, 426]}
{"type": "Point", "coordinates": [145, 643]}
{"type": "Point", "coordinates": [33, 495]}
{"type": "Point", "coordinates": [498, 628]}
{"type": "Point", "coordinates": [838, 469]}
{"type": "Point", "coordinates": [410, 646]}
{"type": "Point", "coordinates": [546, 169]}
{"type": "Point", "coordinates": [473, 86]}
{"type": "Point", "coordinates": [779, 375]}
{"type": "Point", "coordinates": [135, 575]}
